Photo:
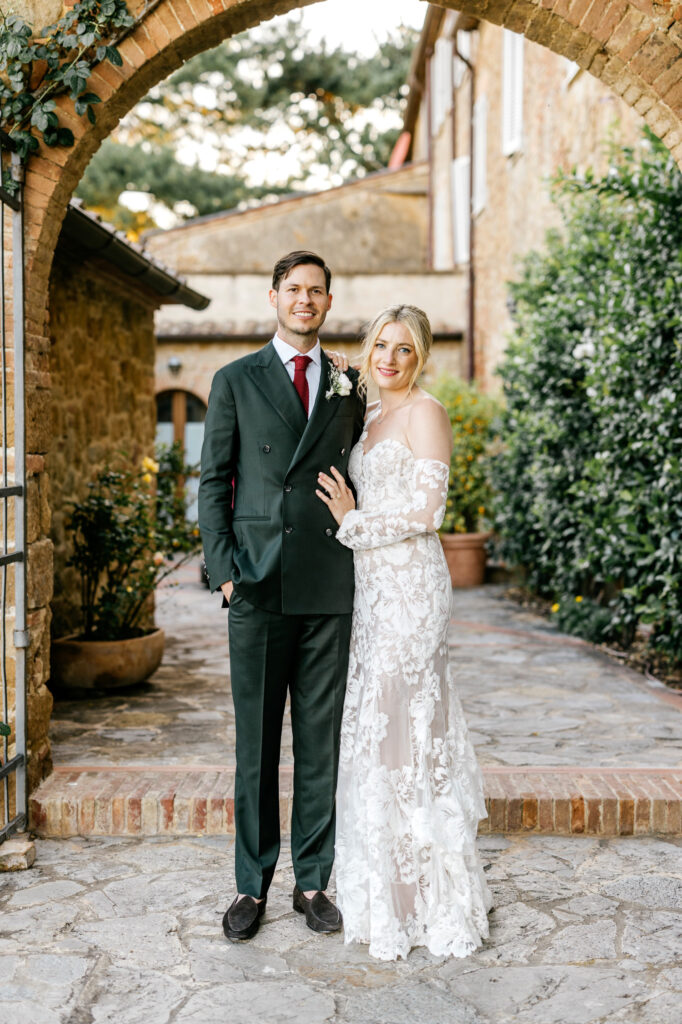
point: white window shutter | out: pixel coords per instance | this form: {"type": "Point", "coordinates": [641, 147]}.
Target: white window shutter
{"type": "Point", "coordinates": [461, 208]}
{"type": "Point", "coordinates": [512, 92]}
{"type": "Point", "coordinates": [441, 83]}
{"type": "Point", "coordinates": [480, 154]}
{"type": "Point", "coordinates": [458, 66]}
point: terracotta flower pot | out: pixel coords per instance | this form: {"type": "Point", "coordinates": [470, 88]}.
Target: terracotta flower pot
{"type": "Point", "coordinates": [94, 664]}
{"type": "Point", "coordinates": [466, 556]}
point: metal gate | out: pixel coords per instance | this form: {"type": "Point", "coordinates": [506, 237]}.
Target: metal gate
{"type": "Point", "coordinates": [14, 638]}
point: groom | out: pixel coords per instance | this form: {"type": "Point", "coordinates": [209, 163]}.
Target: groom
{"type": "Point", "coordinates": [275, 419]}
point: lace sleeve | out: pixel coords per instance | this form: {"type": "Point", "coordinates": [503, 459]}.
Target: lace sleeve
{"type": "Point", "coordinates": [424, 512]}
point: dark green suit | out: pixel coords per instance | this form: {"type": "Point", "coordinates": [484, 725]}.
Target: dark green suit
{"type": "Point", "coordinates": [289, 621]}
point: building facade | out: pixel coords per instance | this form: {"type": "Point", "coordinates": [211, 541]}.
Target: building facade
{"type": "Point", "coordinates": [372, 232]}
{"type": "Point", "coordinates": [496, 116]}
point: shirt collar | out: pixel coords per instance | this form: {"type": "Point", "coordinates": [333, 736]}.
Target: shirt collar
{"type": "Point", "coordinates": [286, 352]}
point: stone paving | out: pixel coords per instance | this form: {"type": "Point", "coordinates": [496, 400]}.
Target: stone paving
{"type": "Point", "coordinates": [584, 931]}
{"type": "Point", "coordinates": [531, 695]}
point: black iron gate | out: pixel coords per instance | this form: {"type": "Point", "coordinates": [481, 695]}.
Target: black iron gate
{"type": "Point", "coordinates": [13, 624]}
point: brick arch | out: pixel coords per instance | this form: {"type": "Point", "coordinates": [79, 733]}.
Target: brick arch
{"type": "Point", "coordinates": [633, 46]}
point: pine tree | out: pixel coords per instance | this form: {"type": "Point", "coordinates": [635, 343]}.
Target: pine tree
{"type": "Point", "coordinates": [268, 108]}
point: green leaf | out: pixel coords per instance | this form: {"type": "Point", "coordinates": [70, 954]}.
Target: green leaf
{"type": "Point", "coordinates": [113, 56]}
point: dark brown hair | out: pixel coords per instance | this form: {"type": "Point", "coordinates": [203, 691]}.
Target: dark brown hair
{"type": "Point", "coordinates": [286, 264]}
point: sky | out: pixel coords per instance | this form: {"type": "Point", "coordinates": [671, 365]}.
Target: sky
{"type": "Point", "coordinates": [359, 23]}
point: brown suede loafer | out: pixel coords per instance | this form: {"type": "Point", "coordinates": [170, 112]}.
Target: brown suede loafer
{"type": "Point", "coordinates": [242, 918]}
{"type": "Point", "coordinates": [320, 913]}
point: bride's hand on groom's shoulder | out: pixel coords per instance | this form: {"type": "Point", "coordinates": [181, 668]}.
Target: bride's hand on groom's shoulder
{"type": "Point", "coordinates": [336, 494]}
{"type": "Point", "coordinates": [340, 360]}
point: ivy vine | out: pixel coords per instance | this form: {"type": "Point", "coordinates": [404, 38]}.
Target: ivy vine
{"type": "Point", "coordinates": [34, 70]}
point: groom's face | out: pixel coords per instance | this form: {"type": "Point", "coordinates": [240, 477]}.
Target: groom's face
{"type": "Point", "coordinates": [302, 302]}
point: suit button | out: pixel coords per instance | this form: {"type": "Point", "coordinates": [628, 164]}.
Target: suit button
{"type": "Point", "coordinates": [329, 531]}
{"type": "Point", "coordinates": [266, 448]}
{"type": "Point", "coordinates": [288, 529]}
{"type": "Point", "coordinates": [288, 488]}
{"type": "Point", "coordinates": [342, 452]}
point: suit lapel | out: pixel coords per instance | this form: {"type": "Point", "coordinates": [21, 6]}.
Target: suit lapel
{"type": "Point", "coordinates": [323, 411]}
{"type": "Point", "coordinates": [274, 382]}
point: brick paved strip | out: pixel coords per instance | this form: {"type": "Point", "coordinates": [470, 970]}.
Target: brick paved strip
{"type": "Point", "coordinates": [199, 800]}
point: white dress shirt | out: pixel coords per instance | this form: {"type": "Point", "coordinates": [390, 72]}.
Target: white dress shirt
{"type": "Point", "coordinates": [313, 370]}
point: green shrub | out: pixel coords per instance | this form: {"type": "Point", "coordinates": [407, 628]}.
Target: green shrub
{"type": "Point", "coordinates": [471, 415]}
{"type": "Point", "coordinates": [590, 480]}
{"type": "Point", "coordinates": [129, 533]}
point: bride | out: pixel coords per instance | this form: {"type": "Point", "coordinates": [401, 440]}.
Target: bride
{"type": "Point", "coordinates": [409, 793]}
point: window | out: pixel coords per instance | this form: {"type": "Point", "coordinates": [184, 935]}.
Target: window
{"type": "Point", "coordinates": [512, 92]}
{"type": "Point", "coordinates": [180, 417]}
{"type": "Point", "coordinates": [460, 208]}
{"type": "Point", "coordinates": [480, 154]}
{"type": "Point", "coordinates": [441, 83]}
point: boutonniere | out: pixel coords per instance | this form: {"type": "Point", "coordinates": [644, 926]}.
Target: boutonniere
{"type": "Point", "coordinates": [339, 383]}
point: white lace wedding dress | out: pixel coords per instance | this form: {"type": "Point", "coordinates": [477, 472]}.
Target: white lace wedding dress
{"type": "Point", "coordinates": [409, 795]}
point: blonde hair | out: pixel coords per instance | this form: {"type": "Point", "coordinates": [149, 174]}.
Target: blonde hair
{"type": "Point", "coordinates": [416, 322]}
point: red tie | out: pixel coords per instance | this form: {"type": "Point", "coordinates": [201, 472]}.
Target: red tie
{"type": "Point", "coordinates": [300, 379]}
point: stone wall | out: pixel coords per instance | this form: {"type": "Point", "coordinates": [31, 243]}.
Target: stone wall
{"type": "Point", "coordinates": [569, 118]}
{"type": "Point", "coordinates": [102, 367]}
{"type": "Point", "coordinates": [375, 225]}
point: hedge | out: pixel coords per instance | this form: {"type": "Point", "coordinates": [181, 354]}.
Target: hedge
{"type": "Point", "coordinates": [590, 475]}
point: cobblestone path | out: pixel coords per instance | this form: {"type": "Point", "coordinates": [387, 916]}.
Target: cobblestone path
{"type": "Point", "coordinates": [584, 931]}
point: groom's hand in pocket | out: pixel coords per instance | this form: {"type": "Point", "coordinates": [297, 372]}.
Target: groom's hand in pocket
{"type": "Point", "coordinates": [227, 589]}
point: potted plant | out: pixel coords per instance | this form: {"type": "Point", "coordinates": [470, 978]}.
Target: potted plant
{"type": "Point", "coordinates": [468, 508]}
{"type": "Point", "coordinates": [129, 533]}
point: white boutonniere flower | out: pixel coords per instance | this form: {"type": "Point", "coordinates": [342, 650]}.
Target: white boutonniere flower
{"type": "Point", "coordinates": [339, 383]}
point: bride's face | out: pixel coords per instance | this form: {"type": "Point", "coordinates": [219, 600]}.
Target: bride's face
{"type": "Point", "coordinates": [394, 359]}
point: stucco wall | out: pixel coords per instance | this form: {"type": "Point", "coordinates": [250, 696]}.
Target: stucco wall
{"type": "Point", "coordinates": [239, 303]}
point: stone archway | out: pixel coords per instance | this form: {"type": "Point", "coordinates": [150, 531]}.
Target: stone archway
{"type": "Point", "coordinates": [633, 46]}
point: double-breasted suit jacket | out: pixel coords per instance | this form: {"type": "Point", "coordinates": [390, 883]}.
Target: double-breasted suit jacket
{"type": "Point", "coordinates": [264, 528]}
{"type": "Point", "coordinates": [277, 544]}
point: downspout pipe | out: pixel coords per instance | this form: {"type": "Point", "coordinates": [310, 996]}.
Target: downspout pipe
{"type": "Point", "coordinates": [471, 290]}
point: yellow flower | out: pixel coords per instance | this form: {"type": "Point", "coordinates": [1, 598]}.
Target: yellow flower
{"type": "Point", "coordinates": [481, 509]}
{"type": "Point", "coordinates": [149, 465]}
{"type": "Point", "coordinates": [555, 607]}
{"type": "Point", "coordinates": [147, 478]}
{"type": "Point", "coordinates": [129, 590]}
{"type": "Point", "coordinates": [158, 558]}
{"type": "Point", "coordinates": [195, 531]}
{"type": "Point", "coordinates": [578, 599]}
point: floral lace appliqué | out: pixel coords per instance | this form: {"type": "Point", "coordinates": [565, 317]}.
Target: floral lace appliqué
{"type": "Point", "coordinates": [409, 795]}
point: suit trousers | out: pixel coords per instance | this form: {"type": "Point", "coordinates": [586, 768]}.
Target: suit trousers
{"type": "Point", "coordinates": [272, 654]}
